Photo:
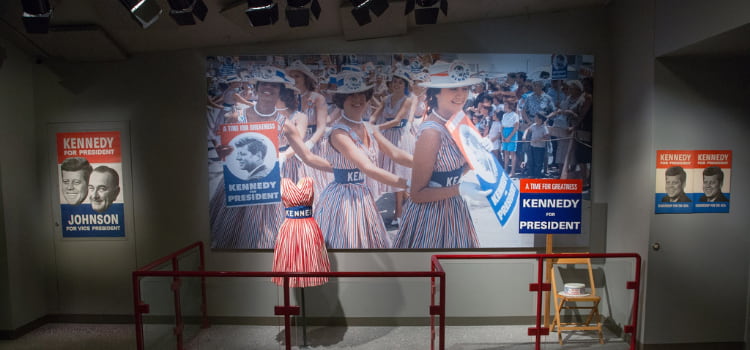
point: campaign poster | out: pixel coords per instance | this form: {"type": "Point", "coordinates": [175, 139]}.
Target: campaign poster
{"type": "Point", "coordinates": [251, 172]}
{"type": "Point", "coordinates": [559, 66]}
{"type": "Point", "coordinates": [246, 213]}
{"type": "Point", "coordinates": [692, 181]}
{"type": "Point", "coordinates": [89, 169]}
{"type": "Point", "coordinates": [503, 193]}
{"type": "Point", "coordinates": [550, 206]}
{"type": "Point", "coordinates": [712, 192]}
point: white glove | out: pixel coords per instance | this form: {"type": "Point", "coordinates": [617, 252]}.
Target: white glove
{"type": "Point", "coordinates": [486, 143]}
{"type": "Point", "coordinates": [282, 159]}
{"type": "Point", "coordinates": [473, 191]}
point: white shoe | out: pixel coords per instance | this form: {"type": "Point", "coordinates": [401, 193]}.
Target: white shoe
{"type": "Point", "coordinates": [396, 222]}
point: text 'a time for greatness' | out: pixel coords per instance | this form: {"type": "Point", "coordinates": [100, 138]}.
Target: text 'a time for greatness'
{"type": "Point", "coordinates": [552, 186]}
{"type": "Point", "coordinates": [248, 127]}
{"type": "Point", "coordinates": [550, 203]}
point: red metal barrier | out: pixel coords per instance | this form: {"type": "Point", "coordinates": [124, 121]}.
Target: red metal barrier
{"type": "Point", "coordinates": [540, 286]}
{"type": "Point", "coordinates": [435, 309]}
{"type": "Point", "coordinates": [286, 310]}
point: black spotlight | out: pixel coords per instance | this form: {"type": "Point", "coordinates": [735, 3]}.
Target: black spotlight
{"type": "Point", "coordinates": [184, 12]}
{"type": "Point", "coordinates": [298, 12]}
{"type": "Point", "coordinates": [262, 12]}
{"type": "Point", "coordinates": [361, 10]}
{"type": "Point", "coordinates": [36, 15]}
{"type": "Point", "coordinates": [427, 11]}
{"type": "Point", "coordinates": [146, 12]}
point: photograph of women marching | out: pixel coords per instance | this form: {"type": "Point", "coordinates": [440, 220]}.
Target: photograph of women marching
{"type": "Point", "coordinates": [377, 135]}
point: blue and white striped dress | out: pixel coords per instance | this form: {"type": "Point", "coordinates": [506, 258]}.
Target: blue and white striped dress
{"type": "Point", "coordinates": [293, 167]}
{"type": "Point", "coordinates": [394, 135]}
{"type": "Point", "coordinates": [445, 223]}
{"type": "Point", "coordinates": [320, 148]}
{"type": "Point", "coordinates": [248, 227]}
{"type": "Point", "coordinates": [346, 211]}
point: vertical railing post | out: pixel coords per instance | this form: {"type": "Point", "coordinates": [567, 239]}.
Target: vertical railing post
{"type": "Point", "coordinates": [177, 304]}
{"type": "Point", "coordinates": [636, 286]}
{"type": "Point", "coordinates": [204, 299]}
{"type": "Point", "coordinates": [138, 307]}
{"type": "Point", "coordinates": [441, 341]}
{"type": "Point", "coordinates": [539, 281]}
{"type": "Point", "coordinates": [287, 317]}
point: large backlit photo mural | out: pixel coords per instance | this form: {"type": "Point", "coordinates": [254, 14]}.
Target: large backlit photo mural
{"type": "Point", "coordinates": [405, 150]}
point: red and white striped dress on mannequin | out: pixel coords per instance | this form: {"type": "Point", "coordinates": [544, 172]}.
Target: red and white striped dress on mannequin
{"type": "Point", "coordinates": [299, 246]}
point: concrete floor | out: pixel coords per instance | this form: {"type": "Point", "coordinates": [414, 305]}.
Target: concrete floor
{"type": "Point", "coordinates": [67, 336]}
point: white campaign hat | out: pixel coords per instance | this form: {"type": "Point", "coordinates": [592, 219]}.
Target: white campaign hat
{"type": "Point", "coordinates": [449, 75]}
{"type": "Point", "coordinates": [350, 67]}
{"type": "Point", "coordinates": [302, 68]}
{"type": "Point", "coordinates": [421, 76]}
{"type": "Point", "coordinates": [350, 82]}
{"type": "Point", "coordinates": [233, 78]}
{"type": "Point", "coordinates": [403, 74]}
{"type": "Point", "coordinates": [271, 74]}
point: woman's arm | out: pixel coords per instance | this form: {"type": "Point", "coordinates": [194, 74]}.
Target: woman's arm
{"type": "Point", "coordinates": [300, 124]}
{"type": "Point", "coordinates": [396, 154]}
{"type": "Point", "coordinates": [378, 110]}
{"type": "Point", "coordinates": [403, 113]}
{"type": "Point", "coordinates": [321, 116]}
{"type": "Point", "coordinates": [342, 142]}
{"type": "Point", "coordinates": [309, 158]}
{"type": "Point", "coordinates": [240, 99]}
{"type": "Point", "coordinates": [425, 156]}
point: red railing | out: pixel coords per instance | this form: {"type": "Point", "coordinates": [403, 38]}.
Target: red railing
{"type": "Point", "coordinates": [286, 310]}
{"type": "Point", "coordinates": [540, 286]}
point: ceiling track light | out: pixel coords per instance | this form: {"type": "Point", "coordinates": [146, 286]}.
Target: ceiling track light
{"type": "Point", "coordinates": [262, 12]}
{"type": "Point", "coordinates": [36, 15]}
{"type": "Point", "coordinates": [145, 12]}
{"type": "Point", "coordinates": [362, 8]}
{"type": "Point", "coordinates": [298, 12]}
{"type": "Point", "coordinates": [184, 12]}
{"type": "Point", "coordinates": [426, 11]}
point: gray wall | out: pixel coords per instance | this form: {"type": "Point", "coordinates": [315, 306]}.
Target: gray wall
{"type": "Point", "coordinates": [679, 103]}
{"type": "Point", "coordinates": [25, 268]}
{"type": "Point", "coordinates": [706, 249]}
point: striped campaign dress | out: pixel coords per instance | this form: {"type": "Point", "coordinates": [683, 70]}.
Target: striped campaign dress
{"type": "Point", "coordinates": [320, 148]}
{"type": "Point", "coordinates": [346, 211]}
{"type": "Point", "coordinates": [248, 227]}
{"type": "Point", "coordinates": [445, 223]}
{"type": "Point", "coordinates": [293, 167]}
{"type": "Point", "coordinates": [299, 246]}
{"type": "Point", "coordinates": [394, 135]}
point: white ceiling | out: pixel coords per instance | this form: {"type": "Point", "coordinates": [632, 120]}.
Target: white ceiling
{"type": "Point", "coordinates": [103, 30]}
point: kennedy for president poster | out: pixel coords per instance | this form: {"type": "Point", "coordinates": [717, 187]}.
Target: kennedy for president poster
{"type": "Point", "coordinates": [89, 173]}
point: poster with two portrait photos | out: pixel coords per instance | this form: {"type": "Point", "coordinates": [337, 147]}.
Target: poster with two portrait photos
{"type": "Point", "coordinates": [689, 181]}
{"type": "Point", "coordinates": [90, 181]}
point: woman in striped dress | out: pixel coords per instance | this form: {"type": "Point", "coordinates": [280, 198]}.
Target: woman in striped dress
{"type": "Point", "coordinates": [393, 119]}
{"type": "Point", "coordinates": [291, 167]}
{"type": "Point", "coordinates": [256, 226]}
{"type": "Point", "coordinates": [346, 211]}
{"type": "Point", "coordinates": [314, 105]}
{"type": "Point", "coordinates": [435, 214]}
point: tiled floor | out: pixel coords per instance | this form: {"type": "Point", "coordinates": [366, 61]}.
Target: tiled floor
{"type": "Point", "coordinates": [66, 336]}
